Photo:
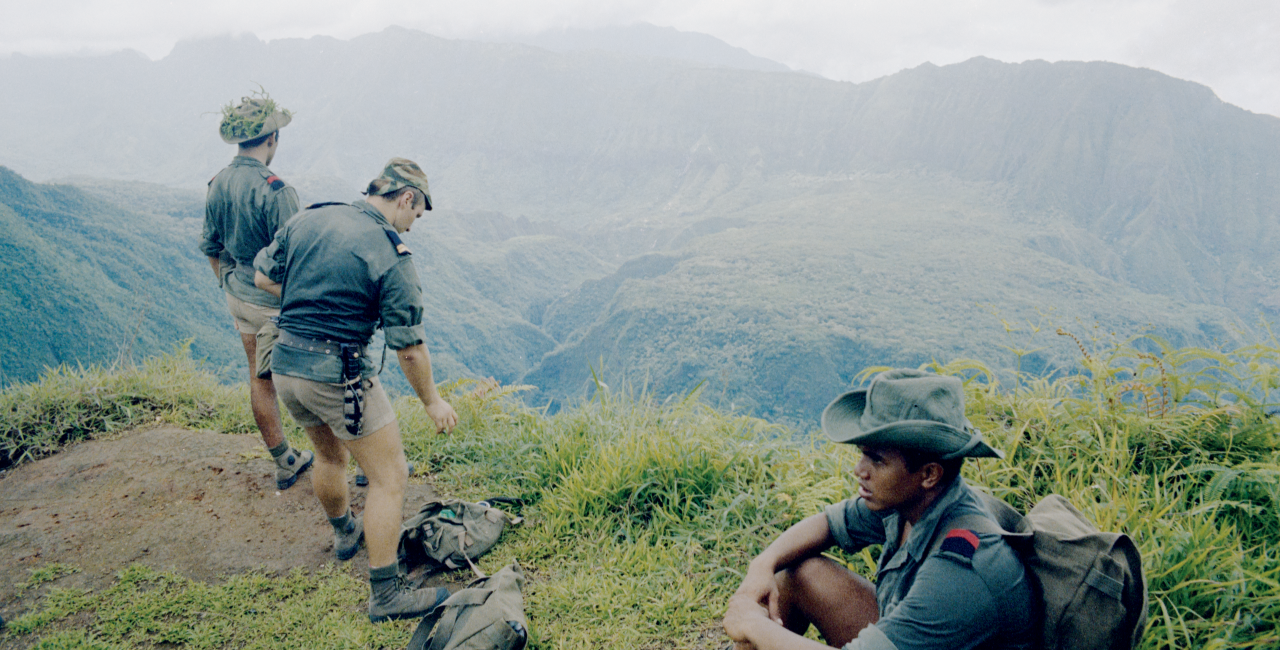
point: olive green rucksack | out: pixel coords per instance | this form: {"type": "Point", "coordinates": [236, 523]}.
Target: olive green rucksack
{"type": "Point", "coordinates": [449, 534]}
{"type": "Point", "coordinates": [487, 615]}
{"type": "Point", "coordinates": [1092, 590]}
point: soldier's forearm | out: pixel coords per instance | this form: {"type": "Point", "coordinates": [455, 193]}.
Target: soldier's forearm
{"type": "Point", "coordinates": [415, 361]}
{"type": "Point", "coordinates": [217, 267]}
{"type": "Point", "coordinates": [261, 281]}
{"type": "Point", "coordinates": [803, 540]}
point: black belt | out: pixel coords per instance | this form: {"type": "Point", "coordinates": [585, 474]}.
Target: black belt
{"type": "Point", "coordinates": [313, 345]}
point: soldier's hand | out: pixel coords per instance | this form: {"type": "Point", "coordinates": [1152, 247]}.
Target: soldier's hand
{"type": "Point", "coordinates": [442, 413]}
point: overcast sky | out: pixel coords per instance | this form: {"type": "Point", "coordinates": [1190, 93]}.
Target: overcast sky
{"type": "Point", "coordinates": [1232, 46]}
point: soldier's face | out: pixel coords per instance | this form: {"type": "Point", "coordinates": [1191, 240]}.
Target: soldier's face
{"type": "Point", "coordinates": [885, 483]}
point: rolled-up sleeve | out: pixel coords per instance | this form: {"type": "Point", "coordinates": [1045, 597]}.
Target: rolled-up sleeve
{"type": "Point", "coordinates": [400, 306]}
{"type": "Point", "coordinates": [270, 260]}
{"type": "Point", "coordinates": [854, 526]}
{"type": "Point", "coordinates": [210, 238]}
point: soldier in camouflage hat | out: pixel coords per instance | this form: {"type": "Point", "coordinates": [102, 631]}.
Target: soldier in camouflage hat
{"type": "Point", "coordinates": [245, 206]}
{"type": "Point", "coordinates": [342, 271]}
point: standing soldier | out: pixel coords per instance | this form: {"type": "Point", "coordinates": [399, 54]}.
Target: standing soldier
{"type": "Point", "coordinates": [245, 206]}
{"type": "Point", "coordinates": [342, 272]}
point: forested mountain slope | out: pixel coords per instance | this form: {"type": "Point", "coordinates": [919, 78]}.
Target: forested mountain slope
{"type": "Point", "coordinates": [764, 233]}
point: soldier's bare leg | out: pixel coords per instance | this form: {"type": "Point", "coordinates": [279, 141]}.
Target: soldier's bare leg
{"type": "Point", "coordinates": [329, 476]}
{"type": "Point", "coordinates": [832, 598]}
{"type": "Point", "coordinates": [382, 457]}
{"type": "Point", "coordinates": [262, 397]}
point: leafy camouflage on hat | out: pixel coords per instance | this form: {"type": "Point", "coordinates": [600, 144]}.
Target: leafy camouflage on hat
{"type": "Point", "coordinates": [400, 172]}
{"type": "Point", "coordinates": [254, 117]}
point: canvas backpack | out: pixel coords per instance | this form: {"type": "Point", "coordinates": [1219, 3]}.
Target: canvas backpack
{"type": "Point", "coordinates": [487, 615]}
{"type": "Point", "coordinates": [1091, 587]}
{"type": "Point", "coordinates": [450, 534]}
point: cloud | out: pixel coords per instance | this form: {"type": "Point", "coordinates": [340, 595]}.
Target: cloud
{"type": "Point", "coordinates": [1229, 45]}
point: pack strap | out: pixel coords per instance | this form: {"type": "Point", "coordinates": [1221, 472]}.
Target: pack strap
{"type": "Point", "coordinates": [447, 613]}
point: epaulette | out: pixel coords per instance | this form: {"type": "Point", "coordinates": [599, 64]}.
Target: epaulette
{"type": "Point", "coordinates": [275, 182]}
{"type": "Point", "coordinates": [961, 542]}
{"type": "Point", "coordinates": [321, 205]}
{"type": "Point", "coordinates": [395, 241]}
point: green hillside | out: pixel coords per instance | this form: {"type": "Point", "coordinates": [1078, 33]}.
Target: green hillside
{"type": "Point", "coordinates": [88, 282]}
{"type": "Point", "coordinates": [104, 269]}
{"type": "Point", "coordinates": [778, 303]}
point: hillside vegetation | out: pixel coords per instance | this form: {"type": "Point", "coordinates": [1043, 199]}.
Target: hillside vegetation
{"type": "Point", "coordinates": [642, 514]}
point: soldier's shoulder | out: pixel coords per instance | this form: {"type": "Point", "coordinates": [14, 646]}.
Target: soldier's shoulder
{"type": "Point", "coordinates": [396, 242]}
{"type": "Point", "coordinates": [326, 204]}
{"type": "Point", "coordinates": [272, 180]}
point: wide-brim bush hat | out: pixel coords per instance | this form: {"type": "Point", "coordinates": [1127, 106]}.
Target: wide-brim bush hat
{"type": "Point", "coordinates": [907, 409]}
{"type": "Point", "coordinates": [252, 118]}
{"type": "Point", "coordinates": [401, 172]}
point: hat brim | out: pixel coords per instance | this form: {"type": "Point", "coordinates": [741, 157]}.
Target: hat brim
{"type": "Point", "coordinates": [841, 421]}
{"type": "Point", "coordinates": [278, 120]}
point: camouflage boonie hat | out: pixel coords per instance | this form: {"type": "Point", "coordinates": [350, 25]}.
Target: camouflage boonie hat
{"type": "Point", "coordinates": [400, 172]}
{"type": "Point", "coordinates": [253, 118]}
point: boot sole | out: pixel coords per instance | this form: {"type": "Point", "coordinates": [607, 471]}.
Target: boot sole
{"type": "Point", "coordinates": [288, 483]}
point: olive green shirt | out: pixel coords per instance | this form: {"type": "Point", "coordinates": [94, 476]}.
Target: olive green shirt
{"type": "Point", "coordinates": [343, 273]}
{"type": "Point", "coordinates": [245, 207]}
{"type": "Point", "coordinates": [973, 593]}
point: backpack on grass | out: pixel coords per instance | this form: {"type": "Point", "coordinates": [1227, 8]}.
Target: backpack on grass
{"type": "Point", "coordinates": [1090, 582]}
{"type": "Point", "coordinates": [450, 534]}
{"type": "Point", "coordinates": [487, 615]}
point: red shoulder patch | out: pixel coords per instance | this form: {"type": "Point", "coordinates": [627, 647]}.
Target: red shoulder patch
{"type": "Point", "coordinates": [960, 541]}
{"type": "Point", "coordinates": [275, 182]}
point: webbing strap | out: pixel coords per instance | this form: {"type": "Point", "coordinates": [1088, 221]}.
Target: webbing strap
{"type": "Point", "coordinates": [444, 628]}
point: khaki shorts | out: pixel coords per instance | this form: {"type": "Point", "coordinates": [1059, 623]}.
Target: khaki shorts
{"type": "Point", "coordinates": [249, 317]}
{"type": "Point", "coordinates": [312, 403]}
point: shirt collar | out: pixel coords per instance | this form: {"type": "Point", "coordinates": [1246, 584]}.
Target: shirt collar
{"type": "Point", "coordinates": [922, 531]}
{"type": "Point", "coordinates": [247, 161]}
{"type": "Point", "coordinates": [373, 212]}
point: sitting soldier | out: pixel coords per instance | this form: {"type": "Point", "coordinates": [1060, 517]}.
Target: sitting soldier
{"type": "Point", "coordinates": [936, 587]}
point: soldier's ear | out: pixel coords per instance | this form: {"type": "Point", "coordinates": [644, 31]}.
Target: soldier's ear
{"type": "Point", "coordinates": [931, 475]}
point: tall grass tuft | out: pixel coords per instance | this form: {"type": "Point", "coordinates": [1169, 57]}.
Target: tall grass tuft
{"type": "Point", "coordinates": [69, 404]}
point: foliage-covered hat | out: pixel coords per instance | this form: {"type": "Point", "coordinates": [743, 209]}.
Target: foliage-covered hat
{"type": "Point", "coordinates": [400, 172]}
{"type": "Point", "coordinates": [254, 117]}
{"type": "Point", "coordinates": [907, 409]}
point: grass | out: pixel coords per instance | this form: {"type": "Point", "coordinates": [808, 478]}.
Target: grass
{"type": "Point", "coordinates": [641, 515]}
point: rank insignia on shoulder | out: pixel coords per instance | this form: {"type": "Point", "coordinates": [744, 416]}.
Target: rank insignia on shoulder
{"type": "Point", "coordinates": [395, 241]}
{"type": "Point", "coordinates": [275, 182]}
{"type": "Point", "coordinates": [961, 542]}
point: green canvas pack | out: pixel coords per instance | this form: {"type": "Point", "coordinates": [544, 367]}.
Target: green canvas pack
{"type": "Point", "coordinates": [487, 615]}
{"type": "Point", "coordinates": [1091, 587]}
{"type": "Point", "coordinates": [450, 534]}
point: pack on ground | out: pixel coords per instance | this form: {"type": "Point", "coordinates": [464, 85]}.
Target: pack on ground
{"type": "Point", "coordinates": [450, 534]}
{"type": "Point", "coordinates": [1091, 586]}
{"type": "Point", "coordinates": [487, 615]}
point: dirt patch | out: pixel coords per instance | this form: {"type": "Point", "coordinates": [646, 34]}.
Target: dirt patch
{"type": "Point", "coordinates": [202, 504]}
